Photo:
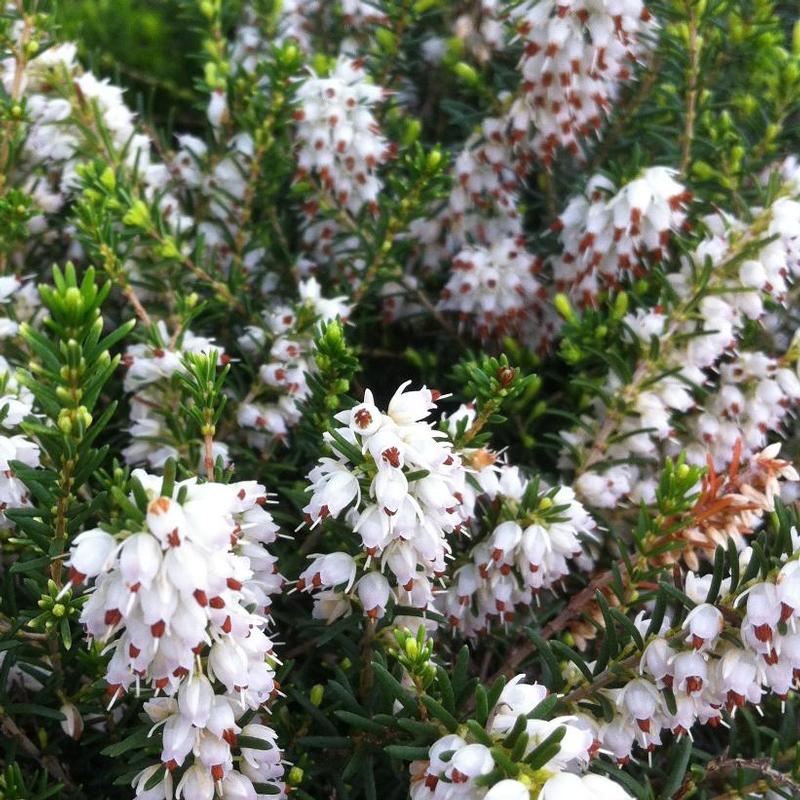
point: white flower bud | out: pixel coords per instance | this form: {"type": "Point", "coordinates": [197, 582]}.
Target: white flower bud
{"type": "Point", "coordinates": [72, 724]}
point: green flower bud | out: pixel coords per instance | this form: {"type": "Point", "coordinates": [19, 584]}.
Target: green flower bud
{"type": "Point", "coordinates": [138, 215]}
{"type": "Point", "coordinates": [466, 73]}
{"type": "Point", "coordinates": [433, 160]}
{"type": "Point", "coordinates": [317, 693]}
{"type": "Point", "coordinates": [108, 179]}
{"type": "Point", "coordinates": [295, 776]}
{"type": "Point", "coordinates": [562, 304]}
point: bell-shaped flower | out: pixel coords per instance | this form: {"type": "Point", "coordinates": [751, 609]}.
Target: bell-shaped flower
{"type": "Point", "coordinates": [516, 698]}
{"type": "Point", "coordinates": [236, 786]}
{"type": "Point", "coordinates": [161, 791]}
{"type": "Point", "coordinates": [365, 418]}
{"type": "Point", "coordinates": [470, 762]}
{"type": "Point", "coordinates": [374, 592]}
{"type": "Point", "coordinates": [704, 624]}
{"type": "Point", "coordinates": [690, 672]}
{"type": "Point", "coordinates": [788, 587]}
{"type": "Point", "coordinates": [195, 699]}
{"type": "Point", "coordinates": [140, 559]}
{"type": "Point", "coordinates": [641, 700]}
{"type": "Point", "coordinates": [91, 553]}
{"type": "Point", "coordinates": [256, 756]}
{"type": "Point", "coordinates": [177, 740]}
{"type": "Point", "coordinates": [508, 789]}
{"type": "Point", "coordinates": [330, 570]}
{"type": "Point", "coordinates": [409, 407]}
{"type": "Point", "coordinates": [196, 784]}
{"type": "Point", "coordinates": [389, 488]}
{"type": "Point", "coordinates": [167, 521]}
{"type": "Point", "coordinates": [656, 660]}
{"type": "Point", "coordinates": [229, 664]}
{"type": "Point", "coordinates": [504, 540]}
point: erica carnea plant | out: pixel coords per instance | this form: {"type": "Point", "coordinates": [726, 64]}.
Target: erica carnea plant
{"type": "Point", "coordinates": [405, 406]}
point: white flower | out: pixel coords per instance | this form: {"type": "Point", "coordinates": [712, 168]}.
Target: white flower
{"type": "Point", "coordinates": [195, 700]}
{"type": "Point", "coordinates": [90, 554]}
{"type": "Point", "coordinates": [236, 786]}
{"type": "Point", "coordinates": [566, 786]}
{"type": "Point", "coordinates": [470, 762]}
{"type": "Point", "coordinates": [516, 698]}
{"type": "Point", "coordinates": [704, 623]}
{"type": "Point", "coordinates": [508, 790]}
{"type": "Point", "coordinates": [603, 788]}
{"type": "Point", "coordinates": [641, 701]}
{"type": "Point", "coordinates": [374, 592]}
{"type": "Point", "coordinates": [161, 791]}
{"type": "Point", "coordinates": [689, 672]}
{"type": "Point", "coordinates": [196, 784]}
{"type": "Point", "coordinates": [407, 407]}
{"type": "Point", "coordinates": [333, 569]}
{"type": "Point", "coordinates": [365, 418]}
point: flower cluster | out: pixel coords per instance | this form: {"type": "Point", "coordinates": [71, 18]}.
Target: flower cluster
{"type": "Point", "coordinates": [526, 551]}
{"type": "Point", "coordinates": [482, 207]}
{"type": "Point", "coordinates": [705, 671]}
{"type": "Point", "coordinates": [458, 767]}
{"type": "Point", "coordinates": [493, 287]}
{"type": "Point", "coordinates": [66, 107]}
{"type": "Point", "coordinates": [749, 392]}
{"type": "Point", "coordinates": [154, 394]}
{"type": "Point", "coordinates": [183, 603]}
{"type": "Point", "coordinates": [576, 57]}
{"type": "Point", "coordinates": [272, 407]}
{"type": "Point", "coordinates": [16, 403]}
{"type": "Point", "coordinates": [402, 489]}
{"type": "Point", "coordinates": [338, 136]}
{"type": "Point", "coordinates": [606, 233]}
{"type": "Point", "coordinates": [220, 183]}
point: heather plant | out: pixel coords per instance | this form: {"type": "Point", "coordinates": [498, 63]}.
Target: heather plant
{"type": "Point", "coordinates": [401, 401]}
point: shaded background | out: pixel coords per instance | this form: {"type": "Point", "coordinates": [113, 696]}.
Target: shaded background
{"type": "Point", "coordinates": [149, 46]}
